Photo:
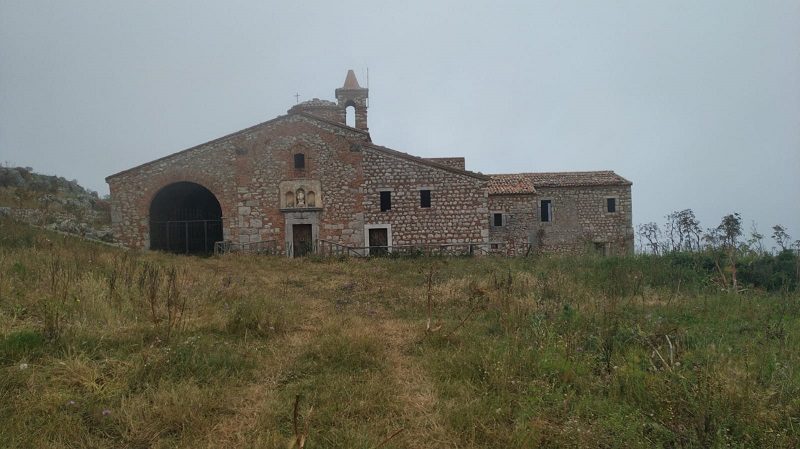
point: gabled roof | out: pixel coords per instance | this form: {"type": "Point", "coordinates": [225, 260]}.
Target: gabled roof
{"type": "Point", "coordinates": [241, 132]}
{"type": "Point", "coordinates": [427, 162]}
{"type": "Point", "coordinates": [578, 178]}
{"type": "Point", "coordinates": [526, 183]}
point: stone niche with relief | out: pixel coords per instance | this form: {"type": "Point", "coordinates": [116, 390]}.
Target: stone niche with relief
{"type": "Point", "coordinates": [300, 194]}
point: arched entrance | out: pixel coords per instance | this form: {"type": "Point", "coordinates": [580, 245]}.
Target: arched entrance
{"type": "Point", "coordinates": [185, 218]}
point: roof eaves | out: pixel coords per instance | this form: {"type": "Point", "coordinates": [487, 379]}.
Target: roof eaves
{"type": "Point", "coordinates": [533, 192]}
{"type": "Point", "coordinates": [533, 175]}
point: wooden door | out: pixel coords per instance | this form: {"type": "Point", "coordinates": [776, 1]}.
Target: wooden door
{"type": "Point", "coordinates": [302, 242]}
{"type": "Point", "coordinates": [378, 241]}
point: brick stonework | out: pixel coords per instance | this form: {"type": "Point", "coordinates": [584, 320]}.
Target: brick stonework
{"type": "Point", "coordinates": [253, 176]}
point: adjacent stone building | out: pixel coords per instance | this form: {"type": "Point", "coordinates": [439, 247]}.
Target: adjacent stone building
{"type": "Point", "coordinates": [307, 177]}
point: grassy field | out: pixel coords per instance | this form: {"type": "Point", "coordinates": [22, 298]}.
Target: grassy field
{"type": "Point", "coordinates": [101, 347]}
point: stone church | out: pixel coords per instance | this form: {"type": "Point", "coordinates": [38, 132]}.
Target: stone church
{"type": "Point", "coordinates": [309, 177]}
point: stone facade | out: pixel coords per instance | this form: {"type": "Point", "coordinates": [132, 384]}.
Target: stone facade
{"type": "Point", "coordinates": [458, 199]}
{"type": "Point", "coordinates": [579, 220]}
{"type": "Point", "coordinates": [307, 176]}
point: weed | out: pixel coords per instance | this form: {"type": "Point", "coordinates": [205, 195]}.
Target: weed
{"type": "Point", "coordinates": [102, 347]}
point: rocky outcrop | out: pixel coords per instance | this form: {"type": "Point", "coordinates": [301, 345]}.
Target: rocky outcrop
{"type": "Point", "coordinates": [53, 202]}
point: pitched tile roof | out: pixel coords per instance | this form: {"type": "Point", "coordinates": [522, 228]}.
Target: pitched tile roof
{"type": "Point", "coordinates": [514, 183]}
{"type": "Point", "coordinates": [524, 183]}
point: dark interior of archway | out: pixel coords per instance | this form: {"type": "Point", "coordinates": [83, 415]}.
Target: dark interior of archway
{"type": "Point", "coordinates": [185, 218]}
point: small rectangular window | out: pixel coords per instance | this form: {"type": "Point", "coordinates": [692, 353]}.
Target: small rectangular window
{"type": "Point", "coordinates": [546, 210]}
{"type": "Point", "coordinates": [497, 219]}
{"type": "Point", "coordinates": [600, 248]}
{"type": "Point", "coordinates": [611, 204]}
{"type": "Point", "coordinates": [299, 161]}
{"type": "Point", "coordinates": [386, 201]}
{"type": "Point", "coordinates": [424, 198]}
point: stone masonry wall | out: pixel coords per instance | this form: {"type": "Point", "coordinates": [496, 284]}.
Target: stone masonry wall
{"type": "Point", "coordinates": [332, 158]}
{"type": "Point", "coordinates": [519, 221]}
{"type": "Point", "coordinates": [244, 171]}
{"type": "Point", "coordinates": [453, 162]}
{"type": "Point", "coordinates": [579, 219]}
{"type": "Point", "coordinates": [212, 166]}
{"type": "Point", "coordinates": [459, 202]}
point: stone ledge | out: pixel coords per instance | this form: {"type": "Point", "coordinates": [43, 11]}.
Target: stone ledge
{"type": "Point", "coordinates": [300, 209]}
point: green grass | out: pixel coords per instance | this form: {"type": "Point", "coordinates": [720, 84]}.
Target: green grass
{"type": "Point", "coordinates": [101, 347]}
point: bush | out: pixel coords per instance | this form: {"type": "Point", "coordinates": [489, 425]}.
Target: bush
{"type": "Point", "coordinates": [771, 273]}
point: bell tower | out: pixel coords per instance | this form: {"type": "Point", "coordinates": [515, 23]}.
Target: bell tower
{"type": "Point", "coordinates": [351, 94]}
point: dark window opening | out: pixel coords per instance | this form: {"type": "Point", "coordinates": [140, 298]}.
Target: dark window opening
{"type": "Point", "coordinates": [497, 219]}
{"type": "Point", "coordinates": [424, 198]}
{"type": "Point", "coordinates": [600, 248]}
{"type": "Point", "coordinates": [546, 210]}
{"type": "Point", "coordinates": [611, 204]}
{"type": "Point", "coordinates": [386, 201]}
{"type": "Point", "coordinates": [300, 161]}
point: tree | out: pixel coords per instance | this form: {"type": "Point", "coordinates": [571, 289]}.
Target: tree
{"type": "Point", "coordinates": [683, 231]}
{"type": "Point", "coordinates": [651, 233]}
{"type": "Point", "coordinates": [725, 238]}
{"type": "Point", "coordinates": [781, 237]}
{"type": "Point", "coordinates": [756, 241]}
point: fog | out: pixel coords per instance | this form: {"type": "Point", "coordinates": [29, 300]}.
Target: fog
{"type": "Point", "coordinates": [696, 102]}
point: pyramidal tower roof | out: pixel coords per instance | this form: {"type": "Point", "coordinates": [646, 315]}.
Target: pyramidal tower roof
{"type": "Point", "coordinates": [350, 82]}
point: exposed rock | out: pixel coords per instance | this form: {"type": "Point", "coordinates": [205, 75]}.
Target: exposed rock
{"type": "Point", "coordinates": [53, 202]}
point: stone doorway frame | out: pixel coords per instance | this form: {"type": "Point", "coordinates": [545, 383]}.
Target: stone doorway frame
{"type": "Point", "coordinates": [386, 226]}
{"type": "Point", "coordinates": [293, 217]}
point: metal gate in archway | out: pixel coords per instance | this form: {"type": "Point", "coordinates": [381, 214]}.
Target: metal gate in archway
{"type": "Point", "coordinates": [185, 236]}
{"type": "Point", "coordinates": [185, 217]}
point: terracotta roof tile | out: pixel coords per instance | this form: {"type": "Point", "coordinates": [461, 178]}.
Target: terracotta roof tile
{"type": "Point", "coordinates": [515, 183]}
{"type": "Point", "coordinates": [522, 183]}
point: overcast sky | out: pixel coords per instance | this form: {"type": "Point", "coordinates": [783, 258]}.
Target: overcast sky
{"type": "Point", "coordinates": [696, 102]}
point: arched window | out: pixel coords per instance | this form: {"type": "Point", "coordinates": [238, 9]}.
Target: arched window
{"type": "Point", "coordinates": [350, 115]}
{"type": "Point", "coordinates": [299, 161]}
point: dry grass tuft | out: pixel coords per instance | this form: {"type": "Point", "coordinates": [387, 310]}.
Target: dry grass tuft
{"type": "Point", "coordinates": [101, 347]}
